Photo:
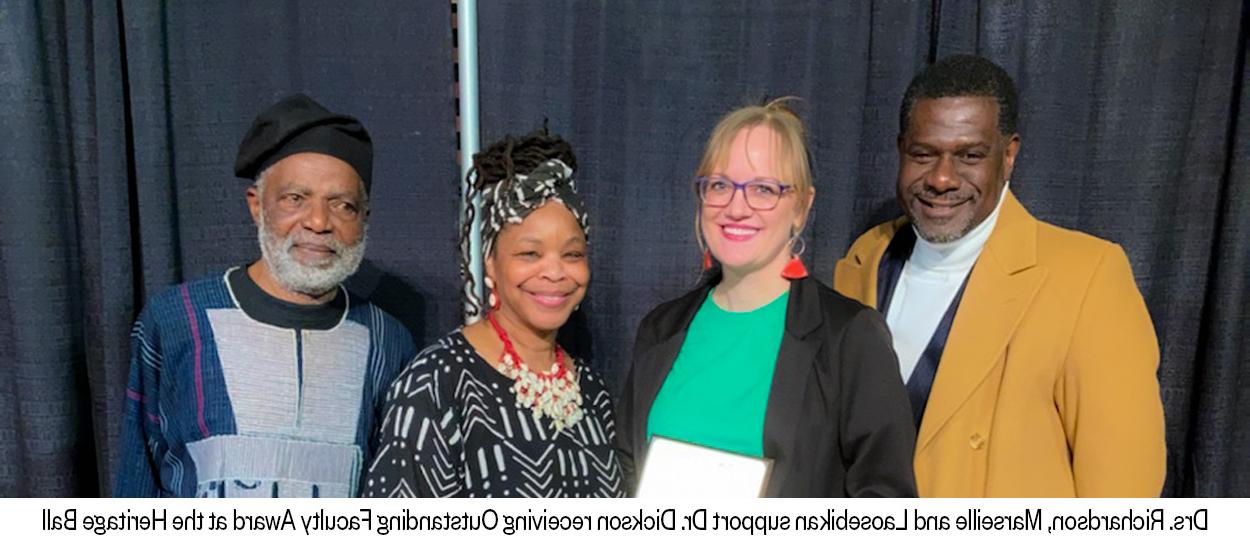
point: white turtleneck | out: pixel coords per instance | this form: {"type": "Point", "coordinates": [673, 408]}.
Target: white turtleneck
{"type": "Point", "coordinates": [930, 279]}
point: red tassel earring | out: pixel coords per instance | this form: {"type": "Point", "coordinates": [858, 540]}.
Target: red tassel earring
{"type": "Point", "coordinates": [794, 268]}
{"type": "Point", "coordinates": [707, 260]}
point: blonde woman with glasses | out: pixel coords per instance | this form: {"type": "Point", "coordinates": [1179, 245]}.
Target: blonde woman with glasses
{"type": "Point", "coordinates": [762, 360]}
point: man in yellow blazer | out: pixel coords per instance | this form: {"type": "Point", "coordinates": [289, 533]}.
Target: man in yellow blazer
{"type": "Point", "coordinates": [1029, 356]}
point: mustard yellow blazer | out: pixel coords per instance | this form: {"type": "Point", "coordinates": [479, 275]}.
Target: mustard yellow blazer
{"type": "Point", "coordinates": [1047, 386]}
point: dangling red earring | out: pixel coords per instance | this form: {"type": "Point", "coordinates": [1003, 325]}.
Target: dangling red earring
{"type": "Point", "coordinates": [794, 268]}
{"type": "Point", "coordinates": [707, 260]}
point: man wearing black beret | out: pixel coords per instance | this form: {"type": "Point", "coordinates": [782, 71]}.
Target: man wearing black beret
{"type": "Point", "coordinates": [263, 381]}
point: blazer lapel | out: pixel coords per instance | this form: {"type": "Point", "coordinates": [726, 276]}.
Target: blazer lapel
{"type": "Point", "coordinates": [856, 280]}
{"type": "Point", "coordinates": [656, 362]}
{"type": "Point", "coordinates": [1000, 289]}
{"type": "Point", "coordinates": [795, 360]}
{"type": "Point", "coordinates": [856, 275]}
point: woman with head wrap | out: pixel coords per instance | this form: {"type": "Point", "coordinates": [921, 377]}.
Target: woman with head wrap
{"type": "Point", "coordinates": [497, 408]}
{"type": "Point", "coordinates": [761, 359]}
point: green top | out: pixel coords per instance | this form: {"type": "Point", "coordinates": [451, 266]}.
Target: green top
{"type": "Point", "coordinates": [717, 391]}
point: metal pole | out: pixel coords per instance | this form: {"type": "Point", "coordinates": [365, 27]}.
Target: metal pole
{"type": "Point", "coordinates": [466, 40]}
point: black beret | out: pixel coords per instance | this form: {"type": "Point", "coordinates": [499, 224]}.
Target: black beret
{"type": "Point", "coordinates": [297, 124]}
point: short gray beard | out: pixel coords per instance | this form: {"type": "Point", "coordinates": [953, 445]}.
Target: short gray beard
{"type": "Point", "coordinates": [299, 278]}
{"type": "Point", "coordinates": [943, 238]}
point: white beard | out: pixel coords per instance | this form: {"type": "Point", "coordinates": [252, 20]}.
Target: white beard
{"type": "Point", "coordinates": [312, 280]}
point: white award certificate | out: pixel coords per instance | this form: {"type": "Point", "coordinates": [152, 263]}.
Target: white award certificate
{"type": "Point", "coordinates": [676, 469]}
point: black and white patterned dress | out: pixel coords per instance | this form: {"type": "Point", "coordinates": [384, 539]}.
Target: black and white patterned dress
{"type": "Point", "coordinates": [451, 428]}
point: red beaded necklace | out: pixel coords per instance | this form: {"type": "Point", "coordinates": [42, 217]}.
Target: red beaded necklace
{"type": "Point", "coordinates": [555, 393]}
{"type": "Point", "coordinates": [509, 351]}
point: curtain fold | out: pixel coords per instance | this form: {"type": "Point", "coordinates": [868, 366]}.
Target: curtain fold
{"type": "Point", "coordinates": [122, 119]}
{"type": "Point", "coordinates": [63, 233]}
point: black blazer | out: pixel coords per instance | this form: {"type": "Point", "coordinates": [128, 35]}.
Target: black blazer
{"type": "Point", "coordinates": [838, 422]}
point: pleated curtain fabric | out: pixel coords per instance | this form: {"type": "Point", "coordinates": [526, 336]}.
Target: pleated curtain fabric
{"type": "Point", "coordinates": [122, 120]}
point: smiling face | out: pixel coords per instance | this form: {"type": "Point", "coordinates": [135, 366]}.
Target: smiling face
{"type": "Point", "coordinates": [742, 239]}
{"type": "Point", "coordinates": [310, 217]}
{"type": "Point", "coordinates": [540, 268]}
{"type": "Point", "coordinates": [953, 164]}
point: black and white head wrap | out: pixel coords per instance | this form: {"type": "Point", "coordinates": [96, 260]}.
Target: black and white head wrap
{"type": "Point", "coordinates": [509, 201]}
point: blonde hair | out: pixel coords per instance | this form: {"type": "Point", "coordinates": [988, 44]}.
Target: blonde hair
{"type": "Point", "coordinates": [790, 149]}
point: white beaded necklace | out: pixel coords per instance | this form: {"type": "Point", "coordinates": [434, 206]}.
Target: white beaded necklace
{"type": "Point", "coordinates": [554, 393]}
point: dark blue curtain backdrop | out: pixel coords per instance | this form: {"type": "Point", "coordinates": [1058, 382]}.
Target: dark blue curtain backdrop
{"type": "Point", "coordinates": [121, 123]}
{"type": "Point", "coordinates": [1133, 121]}
{"type": "Point", "coordinates": [122, 119]}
